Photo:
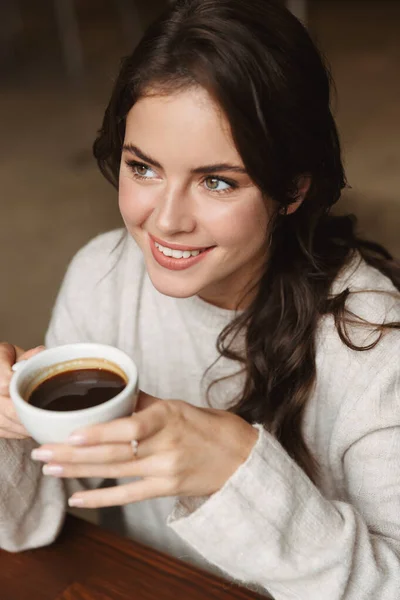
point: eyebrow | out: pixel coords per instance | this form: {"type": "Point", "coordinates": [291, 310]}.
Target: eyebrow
{"type": "Point", "coordinates": [206, 169]}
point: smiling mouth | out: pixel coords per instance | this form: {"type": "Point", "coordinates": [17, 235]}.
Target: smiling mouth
{"type": "Point", "coordinates": [178, 254]}
{"type": "Point", "coordinates": [177, 259]}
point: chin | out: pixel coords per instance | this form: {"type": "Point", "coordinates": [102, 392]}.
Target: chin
{"type": "Point", "coordinates": [175, 287]}
{"type": "Point", "coordinates": [174, 290]}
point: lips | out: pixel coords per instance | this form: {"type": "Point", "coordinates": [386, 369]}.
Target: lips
{"type": "Point", "coordinates": [174, 246]}
{"type": "Point", "coordinates": [177, 264]}
{"type": "Point", "coordinates": [177, 253]}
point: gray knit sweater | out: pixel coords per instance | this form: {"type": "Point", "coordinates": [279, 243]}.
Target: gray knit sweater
{"type": "Point", "coordinates": [269, 526]}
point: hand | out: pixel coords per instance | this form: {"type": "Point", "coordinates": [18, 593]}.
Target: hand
{"type": "Point", "coordinates": [10, 426]}
{"type": "Point", "coordinates": [183, 451]}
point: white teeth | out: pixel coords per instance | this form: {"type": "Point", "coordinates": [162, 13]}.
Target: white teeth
{"type": "Point", "coordinates": [176, 253]}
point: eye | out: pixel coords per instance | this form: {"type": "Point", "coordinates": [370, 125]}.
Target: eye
{"type": "Point", "coordinates": [140, 170]}
{"type": "Point", "coordinates": [216, 184]}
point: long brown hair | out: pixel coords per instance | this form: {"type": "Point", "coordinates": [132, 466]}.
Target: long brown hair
{"type": "Point", "coordinates": [262, 67]}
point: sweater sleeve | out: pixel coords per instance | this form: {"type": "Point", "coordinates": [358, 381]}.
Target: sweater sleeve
{"type": "Point", "coordinates": [291, 540]}
{"type": "Point", "coordinates": [32, 507]}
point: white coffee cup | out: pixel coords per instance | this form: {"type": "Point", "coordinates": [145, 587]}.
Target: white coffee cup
{"type": "Point", "coordinates": [46, 426]}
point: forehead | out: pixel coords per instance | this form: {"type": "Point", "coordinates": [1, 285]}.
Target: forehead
{"type": "Point", "coordinates": [188, 124]}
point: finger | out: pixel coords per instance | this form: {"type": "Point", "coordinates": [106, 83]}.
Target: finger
{"type": "Point", "coordinates": [152, 466]}
{"type": "Point", "coordinates": [29, 353]}
{"type": "Point", "coordinates": [122, 494]}
{"type": "Point", "coordinates": [140, 426]}
{"type": "Point", "coordinates": [101, 454]}
{"type": "Point", "coordinates": [13, 426]}
{"type": "Point", "coordinates": [10, 354]}
{"type": "Point", "coordinates": [11, 435]}
{"type": "Point", "coordinates": [7, 410]}
{"type": "Point", "coordinates": [112, 471]}
{"type": "Point", "coordinates": [5, 381]}
{"type": "Point", "coordinates": [20, 430]}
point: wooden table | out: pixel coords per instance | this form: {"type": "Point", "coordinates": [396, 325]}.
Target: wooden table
{"type": "Point", "coordinates": [89, 563]}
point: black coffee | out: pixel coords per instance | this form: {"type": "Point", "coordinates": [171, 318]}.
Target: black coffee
{"type": "Point", "coordinates": [77, 390]}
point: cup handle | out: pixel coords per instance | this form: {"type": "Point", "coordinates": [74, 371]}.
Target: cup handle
{"type": "Point", "coordinates": [16, 366]}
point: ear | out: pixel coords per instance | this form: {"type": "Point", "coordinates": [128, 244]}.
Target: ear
{"type": "Point", "coordinates": [303, 186]}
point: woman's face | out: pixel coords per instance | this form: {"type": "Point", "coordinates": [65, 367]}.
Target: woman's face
{"type": "Point", "coordinates": [187, 200]}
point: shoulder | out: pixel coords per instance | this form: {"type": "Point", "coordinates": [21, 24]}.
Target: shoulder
{"type": "Point", "coordinates": [103, 278]}
{"type": "Point", "coordinates": [372, 301]}
{"type": "Point", "coordinates": [101, 272]}
{"type": "Point", "coordinates": [372, 296]}
{"type": "Point", "coordinates": [361, 384]}
{"type": "Point", "coordinates": [104, 243]}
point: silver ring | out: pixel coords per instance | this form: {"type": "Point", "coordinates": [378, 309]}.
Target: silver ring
{"type": "Point", "coordinates": [135, 447]}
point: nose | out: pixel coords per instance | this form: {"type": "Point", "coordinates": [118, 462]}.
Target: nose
{"type": "Point", "coordinates": [174, 213]}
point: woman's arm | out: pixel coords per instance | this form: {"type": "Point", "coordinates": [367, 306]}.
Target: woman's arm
{"type": "Point", "coordinates": [270, 526]}
{"type": "Point", "coordinates": [247, 507]}
{"type": "Point", "coordinates": [263, 522]}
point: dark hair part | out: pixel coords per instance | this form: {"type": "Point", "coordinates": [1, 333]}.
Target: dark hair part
{"type": "Point", "coordinates": [259, 63]}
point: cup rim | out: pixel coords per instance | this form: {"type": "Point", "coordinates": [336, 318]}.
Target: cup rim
{"type": "Point", "coordinates": [131, 386]}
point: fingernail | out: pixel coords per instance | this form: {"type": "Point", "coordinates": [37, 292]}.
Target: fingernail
{"type": "Point", "coordinates": [52, 470]}
{"type": "Point", "coordinates": [76, 439]}
{"type": "Point", "coordinates": [76, 502]}
{"type": "Point", "coordinates": [39, 454]}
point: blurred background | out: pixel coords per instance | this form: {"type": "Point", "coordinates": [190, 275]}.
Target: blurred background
{"type": "Point", "coordinates": [58, 60]}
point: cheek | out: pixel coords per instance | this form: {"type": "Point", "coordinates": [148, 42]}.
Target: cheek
{"type": "Point", "coordinates": [135, 202]}
{"type": "Point", "coordinates": [242, 224]}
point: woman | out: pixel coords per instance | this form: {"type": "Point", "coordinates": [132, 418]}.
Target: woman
{"type": "Point", "coordinates": [265, 333]}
